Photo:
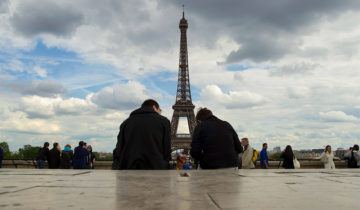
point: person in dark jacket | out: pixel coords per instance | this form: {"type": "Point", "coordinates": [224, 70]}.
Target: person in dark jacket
{"type": "Point", "coordinates": [90, 159]}
{"type": "Point", "coordinates": [79, 160]}
{"type": "Point", "coordinates": [144, 140]}
{"type": "Point", "coordinates": [1, 156]}
{"type": "Point", "coordinates": [42, 155]}
{"type": "Point", "coordinates": [66, 157]}
{"type": "Point", "coordinates": [53, 156]}
{"type": "Point", "coordinates": [214, 143]}
{"type": "Point", "coordinates": [288, 158]}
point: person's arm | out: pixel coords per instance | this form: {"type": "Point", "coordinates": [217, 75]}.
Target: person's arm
{"type": "Point", "coordinates": [196, 149]}
{"type": "Point", "coordinates": [167, 141]}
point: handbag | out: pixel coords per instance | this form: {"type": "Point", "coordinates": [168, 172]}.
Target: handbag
{"type": "Point", "coordinates": [296, 163]}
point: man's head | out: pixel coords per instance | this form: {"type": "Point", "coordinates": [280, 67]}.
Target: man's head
{"type": "Point", "coordinates": [150, 103]}
{"type": "Point", "coordinates": [46, 144]}
{"type": "Point", "coordinates": [203, 114]}
{"type": "Point", "coordinates": [356, 147]}
{"type": "Point", "coordinates": [81, 143]}
{"type": "Point", "coordinates": [244, 141]}
{"type": "Point", "coordinates": [265, 146]}
{"type": "Point", "coordinates": [56, 145]}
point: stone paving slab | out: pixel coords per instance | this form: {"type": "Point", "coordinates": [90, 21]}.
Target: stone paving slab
{"type": "Point", "coordinates": [202, 189]}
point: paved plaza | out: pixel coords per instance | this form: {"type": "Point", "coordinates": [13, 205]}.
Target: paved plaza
{"type": "Point", "coordinates": [204, 189]}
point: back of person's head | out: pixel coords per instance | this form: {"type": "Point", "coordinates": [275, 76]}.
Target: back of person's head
{"type": "Point", "coordinates": [56, 145]}
{"type": "Point", "coordinates": [356, 147]}
{"type": "Point", "coordinates": [46, 144]}
{"type": "Point", "coordinates": [150, 103]}
{"type": "Point", "coordinates": [288, 150]}
{"type": "Point", "coordinates": [203, 114]}
{"type": "Point", "coordinates": [81, 143]}
{"type": "Point", "coordinates": [68, 145]}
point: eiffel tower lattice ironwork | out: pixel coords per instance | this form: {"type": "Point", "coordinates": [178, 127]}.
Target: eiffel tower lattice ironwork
{"type": "Point", "coordinates": [183, 106]}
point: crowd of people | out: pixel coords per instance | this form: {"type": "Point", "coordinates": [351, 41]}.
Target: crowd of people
{"type": "Point", "coordinates": [81, 158]}
{"type": "Point", "coordinates": [144, 143]}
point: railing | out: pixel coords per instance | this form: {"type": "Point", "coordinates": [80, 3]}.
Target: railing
{"type": "Point", "coordinates": [20, 162]}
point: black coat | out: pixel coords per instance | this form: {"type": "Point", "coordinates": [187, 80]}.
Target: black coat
{"type": "Point", "coordinates": [288, 160]}
{"type": "Point", "coordinates": [215, 144]}
{"type": "Point", "coordinates": [143, 141]}
{"type": "Point", "coordinates": [66, 159]}
{"type": "Point", "coordinates": [53, 157]}
{"type": "Point", "coordinates": [42, 153]}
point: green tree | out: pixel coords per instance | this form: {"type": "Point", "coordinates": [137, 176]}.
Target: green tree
{"type": "Point", "coordinates": [275, 156]}
{"type": "Point", "coordinates": [7, 154]}
{"type": "Point", "coordinates": [28, 152]}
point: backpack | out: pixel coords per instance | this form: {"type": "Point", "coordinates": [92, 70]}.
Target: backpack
{"type": "Point", "coordinates": [255, 156]}
{"type": "Point", "coordinates": [352, 161]}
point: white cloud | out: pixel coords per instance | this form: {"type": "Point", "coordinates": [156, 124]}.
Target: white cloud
{"type": "Point", "coordinates": [233, 100]}
{"type": "Point", "coordinates": [121, 96]}
{"type": "Point", "coordinates": [337, 116]}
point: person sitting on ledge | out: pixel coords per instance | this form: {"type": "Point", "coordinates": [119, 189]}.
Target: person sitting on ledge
{"type": "Point", "coordinates": [214, 143]}
{"type": "Point", "coordinates": [144, 140]}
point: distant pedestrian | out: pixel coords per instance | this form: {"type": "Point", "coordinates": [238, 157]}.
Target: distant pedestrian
{"type": "Point", "coordinates": [53, 156]}
{"type": "Point", "coordinates": [90, 159]}
{"type": "Point", "coordinates": [264, 160]}
{"type": "Point", "coordinates": [327, 157]}
{"type": "Point", "coordinates": [288, 158]}
{"type": "Point", "coordinates": [80, 154]}
{"type": "Point", "coordinates": [42, 155]}
{"type": "Point", "coordinates": [246, 158]}
{"type": "Point", "coordinates": [66, 157]}
{"type": "Point", "coordinates": [353, 157]}
{"type": "Point", "coordinates": [1, 156]}
{"type": "Point", "coordinates": [144, 139]}
{"type": "Point", "coordinates": [214, 143]}
{"type": "Point", "coordinates": [181, 159]}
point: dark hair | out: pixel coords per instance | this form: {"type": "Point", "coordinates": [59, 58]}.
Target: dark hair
{"type": "Point", "coordinates": [356, 147]}
{"type": "Point", "coordinates": [150, 103]}
{"type": "Point", "coordinates": [46, 144]}
{"type": "Point", "coordinates": [326, 148]}
{"type": "Point", "coordinates": [81, 143]}
{"type": "Point", "coordinates": [288, 151]}
{"type": "Point", "coordinates": [203, 114]}
{"type": "Point", "coordinates": [264, 144]}
{"type": "Point", "coordinates": [55, 144]}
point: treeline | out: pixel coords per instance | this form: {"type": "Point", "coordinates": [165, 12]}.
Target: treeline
{"type": "Point", "coordinates": [30, 152]}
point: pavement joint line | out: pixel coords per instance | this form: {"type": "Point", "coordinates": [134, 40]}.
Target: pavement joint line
{"type": "Point", "coordinates": [213, 201]}
{"type": "Point", "coordinates": [15, 191]}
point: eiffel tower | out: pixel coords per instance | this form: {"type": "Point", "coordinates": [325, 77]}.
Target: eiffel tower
{"type": "Point", "coordinates": [183, 106]}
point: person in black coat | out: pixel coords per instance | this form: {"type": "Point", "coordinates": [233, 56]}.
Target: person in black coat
{"type": "Point", "coordinates": [1, 156]}
{"type": "Point", "coordinates": [42, 155]}
{"type": "Point", "coordinates": [288, 158]}
{"type": "Point", "coordinates": [54, 156]}
{"type": "Point", "coordinates": [79, 160]}
{"type": "Point", "coordinates": [144, 140]}
{"type": "Point", "coordinates": [66, 157]}
{"type": "Point", "coordinates": [214, 143]}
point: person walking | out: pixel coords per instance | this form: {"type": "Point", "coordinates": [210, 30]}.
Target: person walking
{"type": "Point", "coordinates": [264, 160]}
{"type": "Point", "coordinates": [66, 157]}
{"type": "Point", "coordinates": [288, 158]}
{"type": "Point", "coordinates": [214, 143]}
{"type": "Point", "coordinates": [327, 157]}
{"type": "Point", "coordinates": [90, 159]}
{"type": "Point", "coordinates": [42, 156]}
{"type": "Point", "coordinates": [246, 158]}
{"type": "Point", "coordinates": [80, 154]}
{"type": "Point", "coordinates": [353, 157]}
{"type": "Point", "coordinates": [53, 156]}
{"type": "Point", "coordinates": [144, 139]}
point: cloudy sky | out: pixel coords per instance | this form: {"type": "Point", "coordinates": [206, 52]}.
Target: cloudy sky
{"type": "Point", "coordinates": [280, 71]}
